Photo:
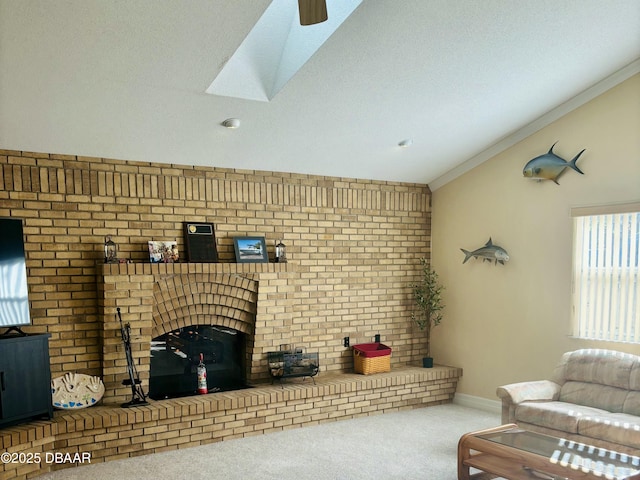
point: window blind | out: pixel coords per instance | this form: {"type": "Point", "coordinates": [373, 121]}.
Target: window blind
{"type": "Point", "coordinates": [606, 282]}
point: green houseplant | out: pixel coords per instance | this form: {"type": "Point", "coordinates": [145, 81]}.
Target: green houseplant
{"type": "Point", "coordinates": [427, 294]}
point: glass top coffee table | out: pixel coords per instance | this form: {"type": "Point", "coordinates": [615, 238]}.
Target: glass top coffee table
{"type": "Point", "coordinates": [515, 454]}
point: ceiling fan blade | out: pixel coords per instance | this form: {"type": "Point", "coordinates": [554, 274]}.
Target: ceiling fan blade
{"type": "Point", "coordinates": [312, 11]}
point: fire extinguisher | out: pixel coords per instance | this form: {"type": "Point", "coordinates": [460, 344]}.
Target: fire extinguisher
{"type": "Point", "coordinates": [202, 377]}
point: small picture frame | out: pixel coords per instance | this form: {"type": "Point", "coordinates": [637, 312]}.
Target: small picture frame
{"type": "Point", "coordinates": [163, 252]}
{"type": "Point", "coordinates": [250, 250]}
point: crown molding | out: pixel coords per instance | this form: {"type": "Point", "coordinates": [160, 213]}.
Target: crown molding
{"type": "Point", "coordinates": [561, 110]}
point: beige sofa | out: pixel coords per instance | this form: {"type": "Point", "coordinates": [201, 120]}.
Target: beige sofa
{"type": "Point", "coordinates": [593, 397]}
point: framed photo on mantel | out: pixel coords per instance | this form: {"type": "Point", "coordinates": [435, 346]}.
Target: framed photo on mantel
{"type": "Point", "coordinates": [200, 242]}
{"type": "Point", "coordinates": [163, 251]}
{"type": "Point", "coordinates": [250, 249]}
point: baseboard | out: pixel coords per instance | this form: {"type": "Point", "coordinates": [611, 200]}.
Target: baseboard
{"type": "Point", "coordinates": [491, 406]}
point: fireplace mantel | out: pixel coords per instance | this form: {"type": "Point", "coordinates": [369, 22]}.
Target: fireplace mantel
{"type": "Point", "coordinates": [133, 288]}
{"type": "Point", "coordinates": [114, 269]}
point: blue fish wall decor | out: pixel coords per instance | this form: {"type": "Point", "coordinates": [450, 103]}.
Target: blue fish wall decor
{"type": "Point", "coordinates": [488, 252]}
{"type": "Point", "coordinates": [550, 166]}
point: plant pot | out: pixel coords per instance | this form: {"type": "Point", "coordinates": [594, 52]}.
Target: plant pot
{"type": "Point", "coordinates": [427, 362]}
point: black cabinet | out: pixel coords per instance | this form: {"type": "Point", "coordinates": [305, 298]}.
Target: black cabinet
{"type": "Point", "coordinates": [25, 378]}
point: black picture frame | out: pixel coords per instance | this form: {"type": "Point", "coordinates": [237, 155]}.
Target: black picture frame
{"type": "Point", "coordinates": [200, 240]}
{"type": "Point", "coordinates": [250, 250]}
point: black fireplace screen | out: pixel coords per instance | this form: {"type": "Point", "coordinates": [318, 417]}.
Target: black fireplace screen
{"type": "Point", "coordinates": [175, 357]}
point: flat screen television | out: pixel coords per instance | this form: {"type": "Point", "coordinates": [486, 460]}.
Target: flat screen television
{"type": "Point", "coordinates": [14, 294]}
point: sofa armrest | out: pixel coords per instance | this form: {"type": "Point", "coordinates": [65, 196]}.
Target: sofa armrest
{"type": "Point", "coordinates": [516, 393]}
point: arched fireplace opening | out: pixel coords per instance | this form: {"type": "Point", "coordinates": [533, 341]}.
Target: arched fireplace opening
{"type": "Point", "coordinates": [175, 357]}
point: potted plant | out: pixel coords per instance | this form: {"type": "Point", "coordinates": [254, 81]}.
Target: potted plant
{"type": "Point", "coordinates": [428, 297]}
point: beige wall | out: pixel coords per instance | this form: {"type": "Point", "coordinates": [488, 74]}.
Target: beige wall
{"type": "Point", "coordinates": [511, 323]}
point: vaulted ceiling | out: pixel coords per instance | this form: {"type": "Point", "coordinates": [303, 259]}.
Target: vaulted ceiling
{"type": "Point", "coordinates": [460, 79]}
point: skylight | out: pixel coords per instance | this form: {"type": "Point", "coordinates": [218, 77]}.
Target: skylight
{"type": "Point", "coordinates": [275, 49]}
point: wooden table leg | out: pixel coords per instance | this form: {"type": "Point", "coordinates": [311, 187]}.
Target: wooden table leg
{"type": "Point", "coordinates": [464, 453]}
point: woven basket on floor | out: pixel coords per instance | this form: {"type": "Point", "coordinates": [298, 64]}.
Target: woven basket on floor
{"type": "Point", "coordinates": [371, 358]}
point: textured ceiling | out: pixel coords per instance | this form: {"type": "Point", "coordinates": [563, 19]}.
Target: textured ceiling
{"type": "Point", "coordinates": [127, 79]}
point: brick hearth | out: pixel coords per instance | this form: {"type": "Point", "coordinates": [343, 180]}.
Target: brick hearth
{"type": "Point", "coordinates": [110, 433]}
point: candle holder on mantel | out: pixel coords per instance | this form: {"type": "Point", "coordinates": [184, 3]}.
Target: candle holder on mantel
{"type": "Point", "coordinates": [281, 252]}
{"type": "Point", "coordinates": [110, 251]}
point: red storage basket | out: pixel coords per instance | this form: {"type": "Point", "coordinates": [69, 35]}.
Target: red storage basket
{"type": "Point", "coordinates": [371, 358]}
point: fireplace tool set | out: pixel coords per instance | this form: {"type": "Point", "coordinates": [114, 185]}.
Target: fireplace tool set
{"type": "Point", "coordinates": [138, 396]}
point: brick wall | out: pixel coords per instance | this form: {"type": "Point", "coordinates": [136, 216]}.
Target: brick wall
{"type": "Point", "coordinates": [357, 242]}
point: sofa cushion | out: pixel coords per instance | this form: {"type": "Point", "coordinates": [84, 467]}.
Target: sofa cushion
{"type": "Point", "coordinates": [634, 379]}
{"type": "Point", "coordinates": [594, 395]}
{"type": "Point", "coordinates": [557, 415]}
{"type": "Point", "coordinates": [605, 367]}
{"type": "Point", "coordinates": [620, 428]}
{"type": "Point", "coordinates": [632, 404]}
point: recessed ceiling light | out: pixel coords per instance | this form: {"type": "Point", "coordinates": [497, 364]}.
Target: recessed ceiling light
{"type": "Point", "coordinates": [231, 123]}
{"type": "Point", "coordinates": [405, 143]}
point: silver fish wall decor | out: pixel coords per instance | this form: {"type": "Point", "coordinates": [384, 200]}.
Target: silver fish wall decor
{"type": "Point", "coordinates": [488, 252]}
{"type": "Point", "coordinates": [550, 166]}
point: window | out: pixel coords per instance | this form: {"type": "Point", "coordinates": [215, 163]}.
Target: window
{"type": "Point", "coordinates": [606, 281]}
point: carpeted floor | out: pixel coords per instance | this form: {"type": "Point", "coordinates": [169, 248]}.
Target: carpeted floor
{"type": "Point", "coordinates": [415, 444]}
